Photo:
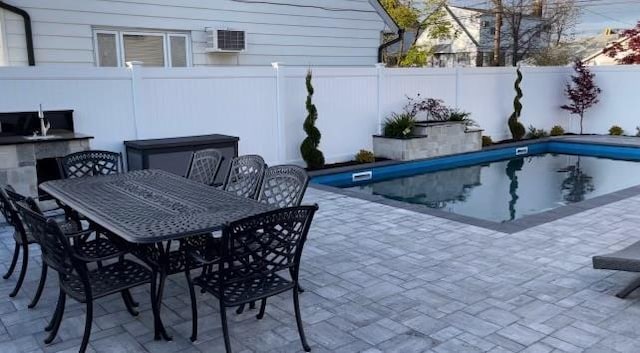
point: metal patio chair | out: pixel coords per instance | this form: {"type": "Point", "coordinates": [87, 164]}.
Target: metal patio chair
{"type": "Point", "coordinates": [282, 186]}
{"type": "Point", "coordinates": [97, 248]}
{"type": "Point", "coordinates": [21, 238]}
{"type": "Point", "coordinates": [75, 279]}
{"type": "Point", "coordinates": [245, 176]}
{"type": "Point", "coordinates": [249, 264]}
{"type": "Point", "coordinates": [204, 166]}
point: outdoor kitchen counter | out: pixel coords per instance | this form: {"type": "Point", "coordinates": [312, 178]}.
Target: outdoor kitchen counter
{"type": "Point", "coordinates": [54, 136]}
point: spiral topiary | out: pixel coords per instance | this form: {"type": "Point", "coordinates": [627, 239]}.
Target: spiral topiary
{"type": "Point", "coordinates": [517, 129]}
{"type": "Point", "coordinates": [309, 147]}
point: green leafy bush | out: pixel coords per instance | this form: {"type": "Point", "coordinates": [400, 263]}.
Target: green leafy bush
{"type": "Point", "coordinates": [462, 116]}
{"type": "Point", "coordinates": [536, 133]}
{"type": "Point", "coordinates": [557, 130]}
{"type": "Point", "coordinates": [309, 147]}
{"type": "Point", "coordinates": [364, 156]}
{"type": "Point", "coordinates": [399, 125]}
{"type": "Point", "coordinates": [486, 141]}
{"type": "Point", "coordinates": [616, 130]}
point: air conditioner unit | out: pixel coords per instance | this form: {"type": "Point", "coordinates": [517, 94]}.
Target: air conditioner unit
{"type": "Point", "coordinates": [226, 41]}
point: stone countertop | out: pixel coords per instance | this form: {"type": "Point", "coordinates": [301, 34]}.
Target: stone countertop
{"type": "Point", "coordinates": [55, 136]}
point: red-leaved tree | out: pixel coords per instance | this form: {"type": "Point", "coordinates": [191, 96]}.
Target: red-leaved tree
{"type": "Point", "coordinates": [582, 92]}
{"type": "Point", "coordinates": [628, 46]}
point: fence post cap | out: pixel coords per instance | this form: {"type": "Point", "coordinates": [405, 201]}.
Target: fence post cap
{"type": "Point", "coordinates": [131, 64]}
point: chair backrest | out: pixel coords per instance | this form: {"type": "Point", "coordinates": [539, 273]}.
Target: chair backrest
{"type": "Point", "coordinates": [245, 176]}
{"type": "Point", "coordinates": [204, 166]}
{"type": "Point", "coordinates": [91, 163]}
{"type": "Point", "coordinates": [283, 186]}
{"type": "Point", "coordinates": [8, 210]}
{"type": "Point", "coordinates": [16, 197]}
{"type": "Point", "coordinates": [265, 244]}
{"type": "Point", "coordinates": [57, 252]}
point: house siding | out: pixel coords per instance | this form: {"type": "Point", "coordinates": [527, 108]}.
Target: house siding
{"type": "Point", "coordinates": [294, 35]}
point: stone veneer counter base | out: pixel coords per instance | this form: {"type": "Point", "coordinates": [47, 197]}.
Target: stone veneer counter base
{"type": "Point", "coordinates": [19, 157]}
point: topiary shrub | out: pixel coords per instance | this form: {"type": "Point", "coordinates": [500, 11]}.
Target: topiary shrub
{"type": "Point", "coordinates": [364, 156]}
{"type": "Point", "coordinates": [399, 125]}
{"type": "Point", "coordinates": [616, 130]}
{"type": "Point", "coordinates": [536, 133]}
{"type": "Point", "coordinates": [309, 147]}
{"type": "Point", "coordinates": [486, 141]}
{"type": "Point", "coordinates": [556, 130]}
{"type": "Point", "coordinates": [516, 128]}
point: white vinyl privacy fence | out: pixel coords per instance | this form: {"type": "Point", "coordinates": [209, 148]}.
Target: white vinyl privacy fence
{"type": "Point", "coordinates": [265, 106]}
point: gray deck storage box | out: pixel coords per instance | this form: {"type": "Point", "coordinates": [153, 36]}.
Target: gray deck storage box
{"type": "Point", "coordinates": [173, 154]}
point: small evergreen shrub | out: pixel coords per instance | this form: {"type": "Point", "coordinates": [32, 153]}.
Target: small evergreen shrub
{"type": "Point", "coordinates": [399, 125]}
{"type": "Point", "coordinates": [536, 133]}
{"type": "Point", "coordinates": [515, 127]}
{"type": "Point", "coordinates": [364, 156]}
{"type": "Point", "coordinates": [309, 147]}
{"type": "Point", "coordinates": [486, 141]}
{"type": "Point", "coordinates": [556, 130]}
{"type": "Point", "coordinates": [616, 130]}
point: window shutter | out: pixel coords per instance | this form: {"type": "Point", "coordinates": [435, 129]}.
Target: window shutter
{"type": "Point", "coordinates": [146, 48]}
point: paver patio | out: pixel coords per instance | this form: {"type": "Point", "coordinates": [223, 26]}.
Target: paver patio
{"type": "Point", "coordinates": [381, 279]}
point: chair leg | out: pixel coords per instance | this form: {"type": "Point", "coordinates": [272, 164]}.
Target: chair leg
{"type": "Point", "coordinates": [240, 309]}
{"type": "Point", "coordinates": [43, 280]}
{"type": "Point", "coordinates": [163, 331]}
{"type": "Point", "coordinates": [628, 289]}
{"type": "Point", "coordinates": [87, 327]}
{"type": "Point", "coordinates": [296, 306]}
{"type": "Point", "coordinates": [14, 261]}
{"type": "Point", "coordinates": [133, 303]}
{"type": "Point", "coordinates": [128, 302]}
{"type": "Point", "coordinates": [298, 286]}
{"type": "Point", "coordinates": [54, 318]}
{"type": "Point", "coordinates": [57, 317]}
{"type": "Point", "coordinates": [263, 306]}
{"type": "Point", "coordinates": [23, 270]}
{"type": "Point", "coordinates": [225, 329]}
{"type": "Point", "coordinates": [154, 305]}
{"type": "Point", "coordinates": [194, 307]}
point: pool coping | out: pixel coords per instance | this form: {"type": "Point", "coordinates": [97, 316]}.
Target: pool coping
{"type": "Point", "coordinates": [511, 227]}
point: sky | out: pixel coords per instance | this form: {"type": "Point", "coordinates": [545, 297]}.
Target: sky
{"type": "Point", "coordinates": [596, 15]}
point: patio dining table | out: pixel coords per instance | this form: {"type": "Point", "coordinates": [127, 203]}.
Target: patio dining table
{"type": "Point", "coordinates": [152, 208]}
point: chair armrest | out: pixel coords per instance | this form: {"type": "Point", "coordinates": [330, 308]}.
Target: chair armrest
{"type": "Point", "coordinates": [201, 249]}
{"type": "Point", "coordinates": [201, 260]}
{"type": "Point", "coordinates": [80, 233]}
{"type": "Point", "coordinates": [102, 258]}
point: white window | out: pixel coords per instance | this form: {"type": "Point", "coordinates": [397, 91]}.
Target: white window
{"type": "Point", "coordinates": [156, 49]}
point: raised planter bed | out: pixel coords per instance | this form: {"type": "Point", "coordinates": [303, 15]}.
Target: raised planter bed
{"type": "Point", "coordinates": [430, 139]}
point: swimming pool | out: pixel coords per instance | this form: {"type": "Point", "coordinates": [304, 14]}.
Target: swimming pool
{"type": "Point", "coordinates": [502, 185]}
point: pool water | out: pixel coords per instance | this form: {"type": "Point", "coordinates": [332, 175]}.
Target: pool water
{"type": "Point", "coordinates": [507, 190]}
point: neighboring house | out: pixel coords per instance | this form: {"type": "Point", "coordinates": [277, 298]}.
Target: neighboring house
{"type": "Point", "coordinates": [179, 33]}
{"type": "Point", "coordinates": [595, 55]}
{"type": "Point", "coordinates": [474, 43]}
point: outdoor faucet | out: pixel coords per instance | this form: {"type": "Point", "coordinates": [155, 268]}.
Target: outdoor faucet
{"type": "Point", "coordinates": [44, 126]}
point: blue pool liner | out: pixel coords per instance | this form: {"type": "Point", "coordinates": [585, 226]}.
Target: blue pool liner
{"type": "Point", "coordinates": [345, 179]}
